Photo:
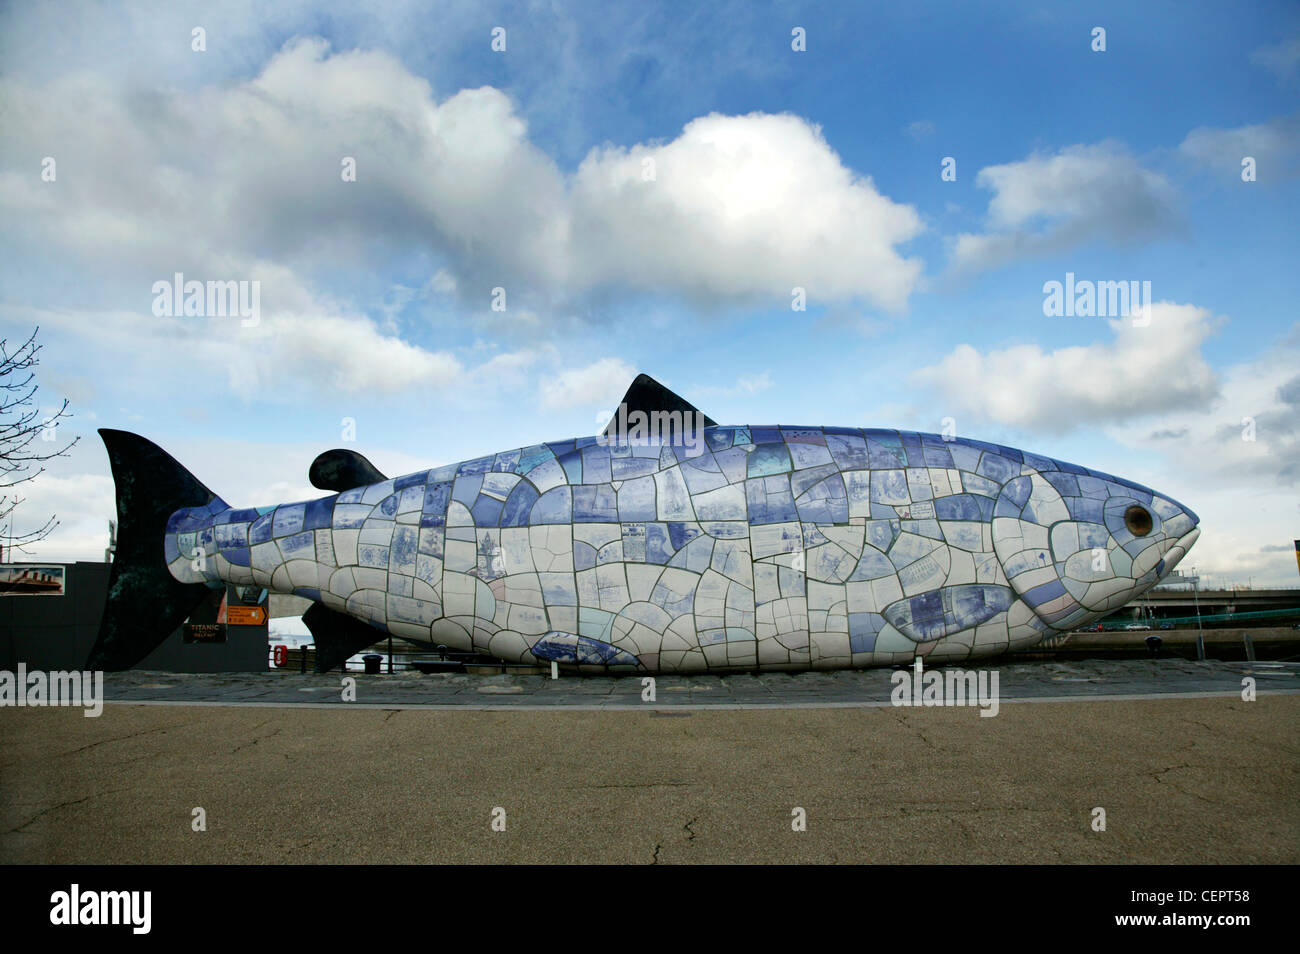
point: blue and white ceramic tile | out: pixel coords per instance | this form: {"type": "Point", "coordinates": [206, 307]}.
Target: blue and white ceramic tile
{"type": "Point", "coordinates": [763, 547]}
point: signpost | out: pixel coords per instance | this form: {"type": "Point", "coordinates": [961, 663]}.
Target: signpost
{"type": "Point", "coordinates": [232, 606]}
{"type": "Point", "coordinates": [245, 615]}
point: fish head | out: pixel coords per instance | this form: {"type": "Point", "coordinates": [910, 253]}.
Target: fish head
{"type": "Point", "coordinates": [1077, 544]}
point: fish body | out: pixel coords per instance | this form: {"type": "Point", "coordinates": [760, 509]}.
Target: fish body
{"type": "Point", "coordinates": [751, 547]}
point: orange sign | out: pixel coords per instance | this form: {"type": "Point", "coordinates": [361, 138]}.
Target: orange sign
{"type": "Point", "coordinates": [245, 615]}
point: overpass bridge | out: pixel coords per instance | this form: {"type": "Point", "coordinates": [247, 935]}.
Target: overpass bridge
{"type": "Point", "coordinates": [1239, 607]}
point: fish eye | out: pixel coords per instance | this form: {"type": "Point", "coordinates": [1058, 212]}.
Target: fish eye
{"type": "Point", "coordinates": [1138, 521]}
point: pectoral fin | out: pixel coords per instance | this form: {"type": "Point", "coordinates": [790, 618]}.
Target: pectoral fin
{"type": "Point", "coordinates": [583, 650]}
{"type": "Point", "coordinates": [947, 610]}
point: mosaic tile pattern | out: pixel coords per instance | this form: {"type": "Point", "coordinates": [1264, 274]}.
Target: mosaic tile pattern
{"type": "Point", "coordinates": [769, 547]}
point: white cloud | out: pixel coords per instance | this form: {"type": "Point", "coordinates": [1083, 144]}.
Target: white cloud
{"type": "Point", "coordinates": [1047, 203]}
{"type": "Point", "coordinates": [83, 504]}
{"type": "Point", "coordinates": [1275, 147]}
{"type": "Point", "coordinates": [1249, 432]}
{"type": "Point", "coordinates": [353, 355]}
{"type": "Point", "coordinates": [1281, 59]}
{"type": "Point", "coordinates": [443, 282]}
{"type": "Point", "coordinates": [1244, 490]}
{"type": "Point", "coordinates": [741, 207]}
{"type": "Point", "coordinates": [1141, 371]}
{"type": "Point", "coordinates": [1153, 394]}
{"type": "Point", "coordinates": [601, 383]}
{"type": "Point", "coordinates": [743, 385]}
{"type": "Point", "coordinates": [287, 354]}
{"type": "Point", "coordinates": [509, 369]}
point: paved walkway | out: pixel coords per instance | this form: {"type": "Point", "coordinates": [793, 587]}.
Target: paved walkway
{"type": "Point", "coordinates": [1087, 680]}
{"type": "Point", "coordinates": [1208, 780]}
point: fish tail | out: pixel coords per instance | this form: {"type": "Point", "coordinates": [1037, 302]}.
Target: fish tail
{"type": "Point", "coordinates": [145, 602]}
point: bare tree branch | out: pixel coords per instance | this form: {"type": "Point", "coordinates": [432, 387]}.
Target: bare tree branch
{"type": "Point", "coordinates": [23, 431]}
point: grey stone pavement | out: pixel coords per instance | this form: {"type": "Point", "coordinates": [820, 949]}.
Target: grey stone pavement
{"type": "Point", "coordinates": [1017, 681]}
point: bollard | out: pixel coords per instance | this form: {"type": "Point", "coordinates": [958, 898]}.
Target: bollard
{"type": "Point", "coordinates": [555, 669]}
{"type": "Point", "coordinates": [372, 661]}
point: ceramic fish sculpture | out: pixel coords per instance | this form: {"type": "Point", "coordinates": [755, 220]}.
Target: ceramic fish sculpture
{"type": "Point", "coordinates": [667, 543]}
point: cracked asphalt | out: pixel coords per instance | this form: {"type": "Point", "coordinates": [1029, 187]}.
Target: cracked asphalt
{"type": "Point", "coordinates": [694, 777]}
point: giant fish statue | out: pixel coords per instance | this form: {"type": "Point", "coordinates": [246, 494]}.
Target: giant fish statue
{"type": "Point", "coordinates": [665, 544]}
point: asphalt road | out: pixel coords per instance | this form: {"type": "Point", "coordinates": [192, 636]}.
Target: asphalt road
{"type": "Point", "coordinates": [1199, 780]}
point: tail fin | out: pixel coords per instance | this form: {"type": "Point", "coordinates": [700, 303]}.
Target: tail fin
{"type": "Point", "coordinates": [145, 602]}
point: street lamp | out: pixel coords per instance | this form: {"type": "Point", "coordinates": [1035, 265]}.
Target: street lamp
{"type": "Point", "coordinates": [1196, 598]}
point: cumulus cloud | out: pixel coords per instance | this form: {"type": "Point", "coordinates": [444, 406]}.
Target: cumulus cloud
{"type": "Point", "coordinates": [740, 206]}
{"type": "Point", "coordinates": [1249, 435]}
{"type": "Point", "coordinates": [259, 165]}
{"type": "Point", "coordinates": [744, 385]}
{"type": "Point", "coordinates": [1141, 371]}
{"type": "Point", "coordinates": [286, 353]}
{"type": "Point", "coordinates": [1274, 145]}
{"type": "Point", "coordinates": [1237, 461]}
{"type": "Point", "coordinates": [355, 355]}
{"type": "Point", "coordinates": [1226, 444]}
{"type": "Point", "coordinates": [1048, 203]}
{"type": "Point", "coordinates": [735, 208]}
{"type": "Point", "coordinates": [1281, 59]}
{"type": "Point", "coordinates": [601, 383]}
{"type": "Point", "coordinates": [76, 500]}
{"type": "Point", "coordinates": [507, 370]}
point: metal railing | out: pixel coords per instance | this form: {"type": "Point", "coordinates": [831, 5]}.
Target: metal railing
{"type": "Point", "coordinates": [302, 659]}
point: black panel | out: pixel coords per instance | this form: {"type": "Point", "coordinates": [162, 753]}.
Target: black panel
{"type": "Point", "coordinates": [337, 635]}
{"type": "Point", "coordinates": [340, 470]}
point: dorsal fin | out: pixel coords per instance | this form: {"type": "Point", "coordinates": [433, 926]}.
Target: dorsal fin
{"type": "Point", "coordinates": [341, 470]}
{"type": "Point", "coordinates": [647, 396]}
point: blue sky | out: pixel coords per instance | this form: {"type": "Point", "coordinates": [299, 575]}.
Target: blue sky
{"type": "Point", "coordinates": [524, 169]}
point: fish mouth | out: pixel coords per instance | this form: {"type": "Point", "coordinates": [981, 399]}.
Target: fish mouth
{"type": "Point", "coordinates": [1177, 551]}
